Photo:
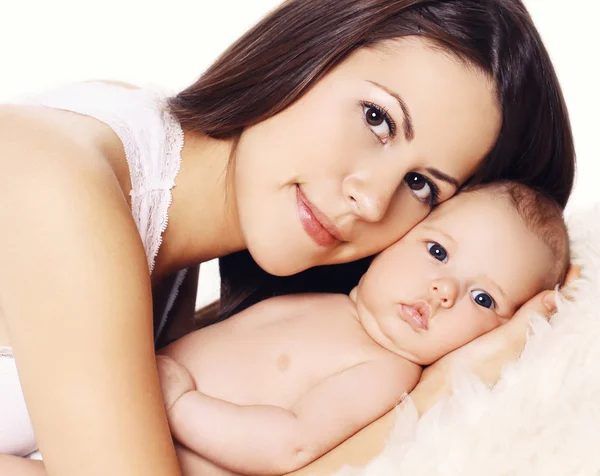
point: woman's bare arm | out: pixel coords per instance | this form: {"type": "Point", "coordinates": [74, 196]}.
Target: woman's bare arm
{"type": "Point", "coordinates": [80, 325]}
{"type": "Point", "coordinates": [16, 466]}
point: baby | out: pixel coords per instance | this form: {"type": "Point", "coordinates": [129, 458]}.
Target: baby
{"type": "Point", "coordinates": [276, 386]}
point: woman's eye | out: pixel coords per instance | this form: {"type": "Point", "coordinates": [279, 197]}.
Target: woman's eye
{"type": "Point", "coordinates": [379, 121]}
{"type": "Point", "coordinates": [437, 251]}
{"type": "Point", "coordinates": [483, 299]}
{"type": "Point", "coordinates": [422, 188]}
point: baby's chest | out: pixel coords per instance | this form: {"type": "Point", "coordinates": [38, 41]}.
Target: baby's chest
{"type": "Point", "coordinates": [276, 366]}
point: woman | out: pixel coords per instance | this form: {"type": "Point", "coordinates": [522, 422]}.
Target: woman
{"type": "Point", "coordinates": [320, 138]}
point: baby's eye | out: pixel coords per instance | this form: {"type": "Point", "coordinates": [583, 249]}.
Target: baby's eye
{"type": "Point", "coordinates": [437, 251]}
{"type": "Point", "coordinates": [483, 299]}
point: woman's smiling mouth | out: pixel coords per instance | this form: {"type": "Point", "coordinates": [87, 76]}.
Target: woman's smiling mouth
{"type": "Point", "coordinates": [315, 223]}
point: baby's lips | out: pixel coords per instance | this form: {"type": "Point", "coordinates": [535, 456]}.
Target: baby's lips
{"type": "Point", "coordinates": [424, 309]}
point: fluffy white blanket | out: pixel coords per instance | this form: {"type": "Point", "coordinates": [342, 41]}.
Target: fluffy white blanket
{"type": "Point", "coordinates": [543, 416]}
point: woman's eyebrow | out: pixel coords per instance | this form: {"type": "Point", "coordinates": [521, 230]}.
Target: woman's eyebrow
{"type": "Point", "coordinates": [409, 134]}
{"type": "Point", "coordinates": [409, 130]}
{"type": "Point", "coordinates": [438, 174]}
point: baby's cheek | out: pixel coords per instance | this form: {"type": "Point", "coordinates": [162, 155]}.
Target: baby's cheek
{"type": "Point", "coordinates": [473, 323]}
{"type": "Point", "coordinates": [489, 324]}
{"type": "Point", "coordinates": [175, 380]}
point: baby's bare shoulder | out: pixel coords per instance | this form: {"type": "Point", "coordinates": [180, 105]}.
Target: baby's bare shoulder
{"type": "Point", "coordinates": [402, 374]}
{"type": "Point", "coordinates": [306, 300]}
{"type": "Point", "coordinates": [294, 304]}
{"type": "Point", "coordinates": [390, 377]}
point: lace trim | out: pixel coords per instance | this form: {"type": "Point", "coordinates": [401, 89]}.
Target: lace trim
{"type": "Point", "coordinates": [174, 141]}
{"type": "Point", "coordinates": [152, 180]}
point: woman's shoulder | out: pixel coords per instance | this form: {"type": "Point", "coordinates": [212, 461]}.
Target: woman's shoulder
{"type": "Point", "coordinates": [150, 135]}
{"type": "Point", "coordinates": [36, 134]}
{"type": "Point", "coordinates": [139, 116]}
{"type": "Point", "coordinates": [92, 113]}
{"type": "Point", "coordinates": [51, 163]}
{"type": "Point", "coordinates": [71, 140]}
{"type": "Point", "coordinates": [136, 134]}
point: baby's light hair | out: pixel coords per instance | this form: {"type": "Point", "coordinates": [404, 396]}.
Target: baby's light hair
{"type": "Point", "coordinates": [541, 215]}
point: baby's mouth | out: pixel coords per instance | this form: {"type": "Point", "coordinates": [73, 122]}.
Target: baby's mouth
{"type": "Point", "coordinates": [417, 314]}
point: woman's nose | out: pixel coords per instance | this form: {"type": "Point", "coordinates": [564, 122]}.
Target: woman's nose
{"type": "Point", "coordinates": [370, 197]}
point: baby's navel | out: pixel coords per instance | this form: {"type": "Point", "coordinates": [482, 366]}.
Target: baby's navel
{"type": "Point", "coordinates": [283, 362]}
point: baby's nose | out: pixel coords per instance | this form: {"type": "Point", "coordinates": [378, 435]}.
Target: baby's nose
{"type": "Point", "coordinates": [444, 290]}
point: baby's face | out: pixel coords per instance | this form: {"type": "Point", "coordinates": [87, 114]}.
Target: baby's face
{"type": "Point", "coordinates": [460, 273]}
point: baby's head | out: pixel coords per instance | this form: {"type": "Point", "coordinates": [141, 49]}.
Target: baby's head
{"type": "Point", "coordinates": [463, 271]}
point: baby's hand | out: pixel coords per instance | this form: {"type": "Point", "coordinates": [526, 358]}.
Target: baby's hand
{"type": "Point", "coordinates": [175, 380]}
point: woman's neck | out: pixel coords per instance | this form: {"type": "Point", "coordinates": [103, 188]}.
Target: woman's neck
{"type": "Point", "coordinates": [203, 219]}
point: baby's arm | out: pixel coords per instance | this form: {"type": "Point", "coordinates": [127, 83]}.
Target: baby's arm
{"type": "Point", "coordinates": [175, 380]}
{"type": "Point", "coordinates": [264, 439]}
{"type": "Point", "coordinates": [192, 464]}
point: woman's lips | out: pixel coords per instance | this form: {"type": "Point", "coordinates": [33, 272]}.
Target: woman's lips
{"type": "Point", "coordinates": [414, 316]}
{"type": "Point", "coordinates": [315, 223]}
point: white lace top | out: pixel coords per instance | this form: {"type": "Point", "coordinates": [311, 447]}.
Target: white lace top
{"type": "Point", "coordinates": [152, 139]}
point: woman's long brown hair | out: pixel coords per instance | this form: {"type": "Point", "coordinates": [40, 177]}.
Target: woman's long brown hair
{"type": "Point", "coordinates": [278, 61]}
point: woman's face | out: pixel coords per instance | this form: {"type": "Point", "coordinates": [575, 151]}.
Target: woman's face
{"type": "Point", "coordinates": [361, 158]}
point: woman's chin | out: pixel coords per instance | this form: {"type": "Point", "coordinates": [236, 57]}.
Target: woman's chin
{"type": "Point", "coordinates": [279, 264]}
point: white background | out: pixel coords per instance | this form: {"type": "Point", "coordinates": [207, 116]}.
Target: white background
{"type": "Point", "coordinates": [170, 42]}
